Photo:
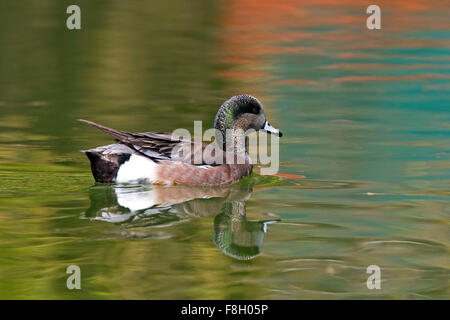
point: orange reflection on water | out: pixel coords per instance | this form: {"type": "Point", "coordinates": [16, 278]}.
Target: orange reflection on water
{"type": "Point", "coordinates": [256, 34]}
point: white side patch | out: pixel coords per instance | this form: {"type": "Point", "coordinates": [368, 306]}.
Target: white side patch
{"type": "Point", "coordinates": [205, 166]}
{"type": "Point", "coordinates": [137, 169]}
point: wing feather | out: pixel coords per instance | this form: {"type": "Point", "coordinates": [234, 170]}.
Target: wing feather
{"type": "Point", "coordinates": [157, 145]}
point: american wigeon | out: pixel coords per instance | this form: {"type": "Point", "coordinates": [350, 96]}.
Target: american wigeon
{"type": "Point", "coordinates": [149, 157]}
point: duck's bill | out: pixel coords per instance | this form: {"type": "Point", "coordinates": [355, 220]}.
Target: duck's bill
{"type": "Point", "coordinates": [267, 127]}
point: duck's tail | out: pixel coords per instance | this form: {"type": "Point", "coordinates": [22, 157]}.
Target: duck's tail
{"type": "Point", "coordinates": [106, 161]}
{"type": "Point", "coordinates": [119, 135]}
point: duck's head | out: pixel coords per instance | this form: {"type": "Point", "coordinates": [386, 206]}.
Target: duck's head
{"type": "Point", "coordinates": [243, 112]}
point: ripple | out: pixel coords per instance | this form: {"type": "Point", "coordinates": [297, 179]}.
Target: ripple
{"type": "Point", "coordinates": [376, 242]}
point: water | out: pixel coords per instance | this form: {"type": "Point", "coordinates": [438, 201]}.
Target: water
{"type": "Point", "coordinates": [365, 117]}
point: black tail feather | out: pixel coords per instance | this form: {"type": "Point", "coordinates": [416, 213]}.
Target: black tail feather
{"type": "Point", "coordinates": [119, 135]}
{"type": "Point", "coordinates": [105, 166]}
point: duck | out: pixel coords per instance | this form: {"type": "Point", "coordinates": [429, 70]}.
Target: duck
{"type": "Point", "coordinates": [151, 157]}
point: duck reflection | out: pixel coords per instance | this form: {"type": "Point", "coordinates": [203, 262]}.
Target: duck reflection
{"type": "Point", "coordinates": [147, 206]}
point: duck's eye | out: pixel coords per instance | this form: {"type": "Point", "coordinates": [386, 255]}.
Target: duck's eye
{"type": "Point", "coordinates": [256, 109]}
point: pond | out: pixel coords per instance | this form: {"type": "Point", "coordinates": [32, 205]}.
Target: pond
{"type": "Point", "coordinates": [364, 160]}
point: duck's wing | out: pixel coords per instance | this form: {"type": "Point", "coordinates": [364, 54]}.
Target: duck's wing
{"type": "Point", "coordinates": [159, 145]}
